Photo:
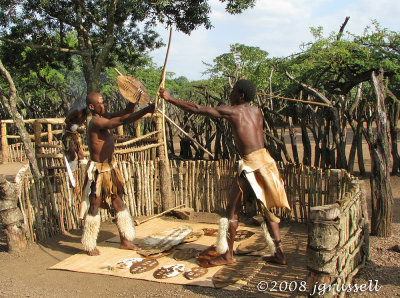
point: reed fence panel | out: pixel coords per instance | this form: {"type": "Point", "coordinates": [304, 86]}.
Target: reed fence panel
{"type": "Point", "coordinates": [339, 246]}
{"type": "Point", "coordinates": [201, 185]}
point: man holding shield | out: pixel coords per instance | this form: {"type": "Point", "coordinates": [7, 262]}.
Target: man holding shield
{"type": "Point", "coordinates": [103, 179]}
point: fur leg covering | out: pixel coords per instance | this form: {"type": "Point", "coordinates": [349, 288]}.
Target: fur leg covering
{"type": "Point", "coordinates": [84, 207]}
{"type": "Point", "coordinates": [268, 238]}
{"type": "Point", "coordinates": [90, 232]}
{"type": "Point", "coordinates": [222, 241]}
{"type": "Point", "coordinates": [85, 200]}
{"type": "Point", "coordinates": [125, 225]}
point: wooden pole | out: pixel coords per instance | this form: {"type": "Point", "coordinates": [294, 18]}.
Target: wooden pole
{"type": "Point", "coordinates": [4, 143]}
{"type": "Point", "coordinates": [120, 130]}
{"type": "Point", "coordinates": [165, 172]}
{"type": "Point", "coordinates": [136, 125]}
{"type": "Point", "coordinates": [162, 79]}
{"type": "Point", "coordinates": [37, 127]}
{"type": "Point", "coordinates": [49, 133]}
{"type": "Point", "coordinates": [294, 99]}
{"type": "Point", "coordinates": [158, 215]}
{"type": "Point", "coordinates": [379, 147]}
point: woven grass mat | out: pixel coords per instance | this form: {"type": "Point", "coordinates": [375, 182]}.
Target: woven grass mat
{"type": "Point", "coordinates": [111, 254]}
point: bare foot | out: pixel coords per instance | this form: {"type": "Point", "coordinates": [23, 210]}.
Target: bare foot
{"type": "Point", "coordinates": [275, 259]}
{"type": "Point", "coordinates": [221, 260]}
{"type": "Point", "coordinates": [128, 245]}
{"type": "Point", "coordinates": [94, 252]}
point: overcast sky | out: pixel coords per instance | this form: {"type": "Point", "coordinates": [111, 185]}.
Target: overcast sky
{"type": "Point", "coordinates": [276, 26]}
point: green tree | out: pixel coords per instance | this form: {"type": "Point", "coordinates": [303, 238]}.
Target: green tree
{"type": "Point", "coordinates": [331, 69]}
{"type": "Point", "coordinates": [106, 31]}
{"type": "Point", "coordinates": [241, 62]}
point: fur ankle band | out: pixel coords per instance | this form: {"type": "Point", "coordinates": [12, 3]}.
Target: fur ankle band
{"type": "Point", "coordinates": [90, 232]}
{"type": "Point", "coordinates": [125, 225]}
{"type": "Point", "coordinates": [268, 238]}
{"type": "Point", "coordinates": [222, 241]}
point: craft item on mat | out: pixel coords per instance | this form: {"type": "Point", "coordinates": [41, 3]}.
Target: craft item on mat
{"type": "Point", "coordinates": [251, 245]}
{"type": "Point", "coordinates": [124, 264]}
{"type": "Point", "coordinates": [193, 236]}
{"type": "Point", "coordinates": [231, 273]}
{"type": "Point", "coordinates": [195, 272]}
{"type": "Point", "coordinates": [132, 89]}
{"type": "Point", "coordinates": [169, 271]}
{"type": "Point", "coordinates": [163, 241]}
{"type": "Point", "coordinates": [243, 234]}
{"type": "Point", "coordinates": [210, 232]}
{"type": "Point", "coordinates": [207, 255]}
{"type": "Point", "coordinates": [160, 254]}
{"type": "Point", "coordinates": [143, 266]}
{"type": "Point", "coordinates": [186, 254]}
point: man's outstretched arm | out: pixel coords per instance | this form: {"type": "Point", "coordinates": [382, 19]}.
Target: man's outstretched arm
{"type": "Point", "coordinates": [130, 108]}
{"type": "Point", "coordinates": [191, 107]}
{"type": "Point", "coordinates": [104, 123]}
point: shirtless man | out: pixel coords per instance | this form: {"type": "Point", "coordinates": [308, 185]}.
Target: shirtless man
{"type": "Point", "coordinates": [257, 165]}
{"type": "Point", "coordinates": [103, 177]}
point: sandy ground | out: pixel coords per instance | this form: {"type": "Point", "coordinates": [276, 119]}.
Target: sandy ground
{"type": "Point", "coordinates": [26, 274]}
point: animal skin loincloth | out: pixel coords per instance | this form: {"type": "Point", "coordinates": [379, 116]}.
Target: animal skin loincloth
{"type": "Point", "coordinates": [106, 177]}
{"type": "Point", "coordinates": [260, 170]}
{"type": "Point", "coordinates": [102, 180]}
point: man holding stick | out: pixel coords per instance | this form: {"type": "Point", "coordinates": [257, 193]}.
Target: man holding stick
{"type": "Point", "coordinates": [103, 177]}
{"type": "Point", "coordinates": [257, 170]}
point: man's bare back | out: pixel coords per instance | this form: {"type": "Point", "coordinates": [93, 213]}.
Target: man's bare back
{"type": "Point", "coordinates": [247, 128]}
{"type": "Point", "coordinates": [246, 121]}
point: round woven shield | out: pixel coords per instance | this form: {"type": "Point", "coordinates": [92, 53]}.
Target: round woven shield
{"type": "Point", "coordinates": [132, 89]}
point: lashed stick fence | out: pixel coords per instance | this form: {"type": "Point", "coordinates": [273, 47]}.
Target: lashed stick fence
{"type": "Point", "coordinates": [201, 185]}
{"type": "Point", "coordinates": [46, 134]}
{"type": "Point", "coordinates": [338, 246]}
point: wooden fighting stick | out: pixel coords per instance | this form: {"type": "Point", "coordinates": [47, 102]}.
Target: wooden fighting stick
{"type": "Point", "coordinates": [163, 73]}
{"type": "Point", "coordinates": [186, 134]}
{"type": "Point", "coordinates": [161, 85]}
{"type": "Point", "coordinates": [137, 222]}
{"type": "Point", "coordinates": [294, 99]}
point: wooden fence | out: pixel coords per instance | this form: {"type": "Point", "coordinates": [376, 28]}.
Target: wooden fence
{"type": "Point", "coordinates": [338, 246]}
{"type": "Point", "coordinates": [201, 185]}
{"type": "Point", "coordinates": [307, 187]}
{"type": "Point", "coordinates": [46, 134]}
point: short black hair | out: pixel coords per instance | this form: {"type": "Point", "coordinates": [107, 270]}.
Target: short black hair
{"type": "Point", "coordinates": [247, 88]}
